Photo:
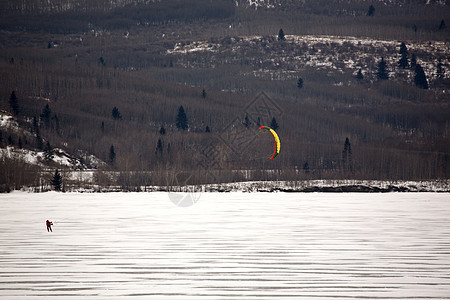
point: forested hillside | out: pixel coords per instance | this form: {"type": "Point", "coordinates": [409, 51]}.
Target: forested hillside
{"type": "Point", "coordinates": [173, 92]}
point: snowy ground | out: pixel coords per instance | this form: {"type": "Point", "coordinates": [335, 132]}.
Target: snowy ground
{"type": "Point", "coordinates": [226, 246]}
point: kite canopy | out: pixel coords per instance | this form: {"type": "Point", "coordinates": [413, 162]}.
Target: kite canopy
{"type": "Point", "coordinates": [276, 139]}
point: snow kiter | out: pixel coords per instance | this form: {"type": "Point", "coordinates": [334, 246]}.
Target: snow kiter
{"type": "Point", "coordinates": [276, 139]}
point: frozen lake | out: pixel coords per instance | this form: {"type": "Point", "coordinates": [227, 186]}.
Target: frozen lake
{"type": "Point", "coordinates": [226, 246]}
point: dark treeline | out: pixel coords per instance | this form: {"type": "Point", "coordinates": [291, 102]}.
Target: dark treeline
{"type": "Point", "coordinates": [101, 81]}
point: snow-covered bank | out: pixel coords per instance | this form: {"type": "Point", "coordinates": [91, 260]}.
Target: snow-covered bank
{"type": "Point", "coordinates": [304, 186]}
{"type": "Point", "coordinates": [324, 186]}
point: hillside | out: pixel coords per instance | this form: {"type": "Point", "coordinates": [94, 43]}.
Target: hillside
{"type": "Point", "coordinates": [107, 81]}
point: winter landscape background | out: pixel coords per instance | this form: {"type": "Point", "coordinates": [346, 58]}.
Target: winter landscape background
{"type": "Point", "coordinates": [226, 246]}
{"type": "Point", "coordinates": [133, 93]}
{"type": "Point", "coordinates": [133, 125]}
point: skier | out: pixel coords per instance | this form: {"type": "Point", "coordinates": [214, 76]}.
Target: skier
{"type": "Point", "coordinates": [49, 225]}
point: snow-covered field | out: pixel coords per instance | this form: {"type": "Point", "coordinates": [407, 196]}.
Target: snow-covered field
{"type": "Point", "coordinates": [226, 246]}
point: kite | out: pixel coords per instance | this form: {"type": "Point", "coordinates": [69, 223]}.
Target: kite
{"type": "Point", "coordinates": [276, 139]}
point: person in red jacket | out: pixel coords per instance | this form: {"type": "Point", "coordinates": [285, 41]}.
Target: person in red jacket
{"type": "Point", "coordinates": [49, 225]}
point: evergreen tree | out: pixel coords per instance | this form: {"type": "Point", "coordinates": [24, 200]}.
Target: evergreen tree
{"type": "Point", "coordinates": [103, 126]}
{"type": "Point", "coordinates": [442, 25]}
{"type": "Point", "coordinates": [359, 75]}
{"type": "Point", "coordinates": [347, 155]}
{"type": "Point", "coordinates": [159, 146]}
{"type": "Point", "coordinates": [35, 125]}
{"type": "Point", "coordinates": [274, 124]}
{"type": "Point", "coordinates": [57, 181]}
{"type": "Point", "coordinates": [403, 48]}
{"type": "Point", "coordinates": [281, 36]}
{"type": "Point", "coordinates": [48, 151]}
{"type": "Point", "coordinates": [247, 122]}
{"type": "Point", "coordinates": [39, 141]}
{"type": "Point", "coordinates": [300, 83]}
{"type": "Point", "coordinates": [162, 131]}
{"type": "Point", "coordinates": [371, 11]}
{"type": "Point", "coordinates": [14, 103]}
{"type": "Point", "coordinates": [403, 62]}
{"type": "Point", "coordinates": [116, 114]}
{"type": "Point", "coordinates": [439, 70]}
{"type": "Point", "coordinates": [10, 140]}
{"type": "Point", "coordinates": [203, 94]}
{"type": "Point", "coordinates": [420, 79]}
{"type": "Point", "coordinates": [46, 115]}
{"type": "Point", "coordinates": [20, 143]}
{"type": "Point", "coordinates": [1, 138]}
{"type": "Point", "coordinates": [207, 129]}
{"type": "Point", "coordinates": [112, 155]}
{"type": "Point", "coordinates": [415, 28]}
{"type": "Point", "coordinates": [382, 73]}
{"type": "Point", "coordinates": [306, 167]}
{"type": "Point", "coordinates": [181, 122]}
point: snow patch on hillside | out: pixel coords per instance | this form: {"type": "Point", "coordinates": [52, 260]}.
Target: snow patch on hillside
{"type": "Point", "coordinates": [7, 121]}
{"type": "Point", "coordinates": [57, 157]}
{"type": "Point", "coordinates": [285, 59]}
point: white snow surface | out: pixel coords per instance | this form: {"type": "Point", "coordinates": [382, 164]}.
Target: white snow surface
{"type": "Point", "coordinates": [226, 246]}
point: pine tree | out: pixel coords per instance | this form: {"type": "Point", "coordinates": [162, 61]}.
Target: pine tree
{"type": "Point", "coordinates": [371, 11]}
{"type": "Point", "coordinates": [439, 70]}
{"type": "Point", "coordinates": [48, 151]}
{"type": "Point", "coordinates": [281, 36]}
{"type": "Point", "coordinates": [403, 62]}
{"type": "Point", "coordinates": [247, 122]}
{"type": "Point", "coordinates": [306, 167]}
{"type": "Point", "coordinates": [203, 94]}
{"type": "Point", "coordinates": [403, 48]}
{"type": "Point", "coordinates": [46, 115]}
{"type": "Point", "coordinates": [359, 75]}
{"type": "Point", "coordinates": [14, 103]}
{"type": "Point", "coordinates": [382, 73]}
{"type": "Point", "coordinates": [159, 146]}
{"type": "Point", "coordinates": [420, 79]}
{"type": "Point", "coordinates": [181, 122]}
{"type": "Point", "coordinates": [274, 124]}
{"type": "Point", "coordinates": [207, 129]}
{"type": "Point", "coordinates": [162, 131]}
{"type": "Point", "coordinates": [112, 155]}
{"type": "Point", "coordinates": [300, 83]}
{"type": "Point", "coordinates": [57, 181]}
{"type": "Point", "coordinates": [116, 114]}
{"type": "Point", "coordinates": [442, 25]}
{"type": "Point", "coordinates": [347, 155]}
{"type": "Point", "coordinates": [39, 141]}
{"type": "Point", "coordinates": [20, 143]}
